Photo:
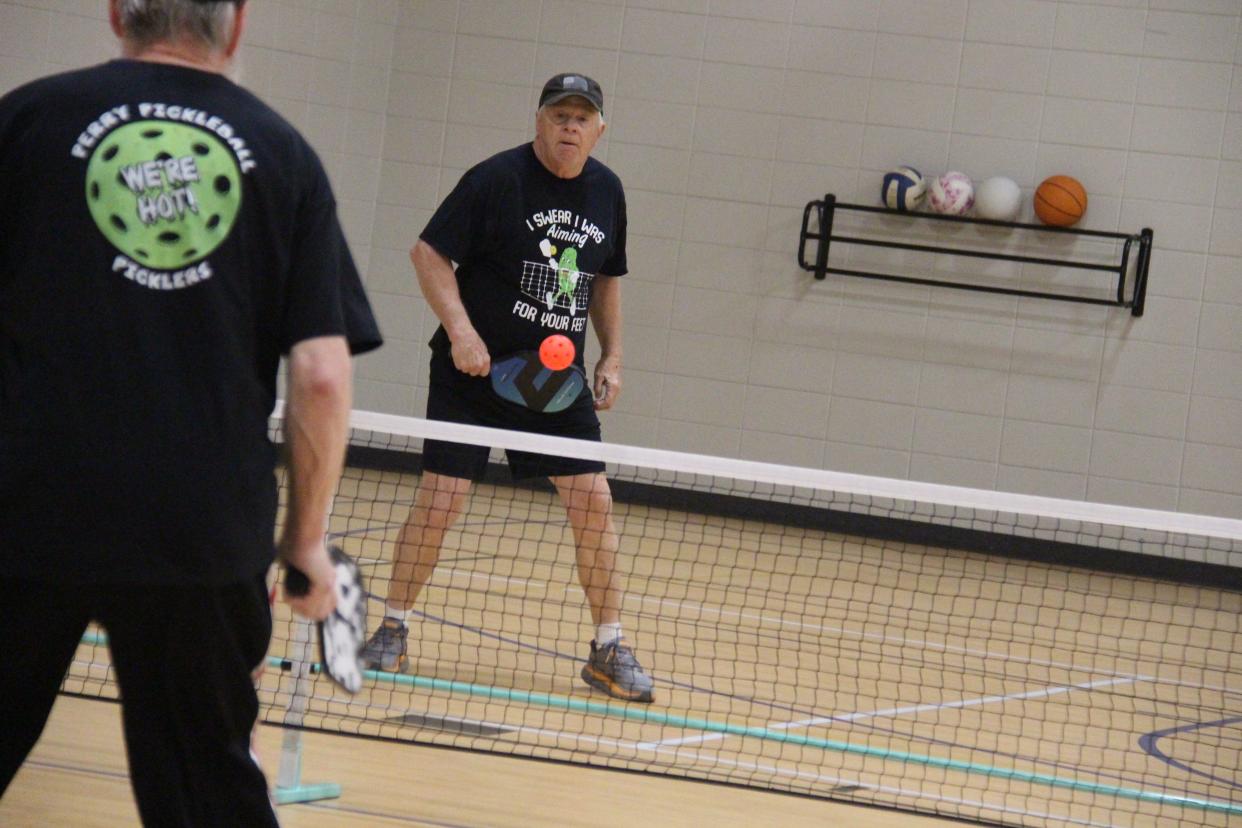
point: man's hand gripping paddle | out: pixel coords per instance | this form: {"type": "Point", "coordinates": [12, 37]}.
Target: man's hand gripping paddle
{"type": "Point", "coordinates": [342, 633]}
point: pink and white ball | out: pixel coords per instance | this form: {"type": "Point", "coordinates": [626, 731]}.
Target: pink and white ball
{"type": "Point", "coordinates": [952, 194]}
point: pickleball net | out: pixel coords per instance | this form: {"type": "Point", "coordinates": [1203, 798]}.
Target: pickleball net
{"type": "Point", "coordinates": [1001, 658]}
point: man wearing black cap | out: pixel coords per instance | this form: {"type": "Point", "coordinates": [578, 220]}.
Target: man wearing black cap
{"type": "Point", "coordinates": [537, 234]}
{"type": "Point", "coordinates": [165, 238]}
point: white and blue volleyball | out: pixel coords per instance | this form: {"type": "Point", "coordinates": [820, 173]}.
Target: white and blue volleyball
{"type": "Point", "coordinates": [903, 189]}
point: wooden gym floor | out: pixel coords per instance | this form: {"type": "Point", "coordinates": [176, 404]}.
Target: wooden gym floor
{"type": "Point", "coordinates": [787, 658]}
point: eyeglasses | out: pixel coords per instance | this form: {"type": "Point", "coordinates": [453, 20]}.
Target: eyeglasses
{"type": "Point", "coordinates": [564, 117]}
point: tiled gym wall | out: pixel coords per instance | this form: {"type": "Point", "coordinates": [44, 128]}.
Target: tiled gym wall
{"type": "Point", "coordinates": [725, 118]}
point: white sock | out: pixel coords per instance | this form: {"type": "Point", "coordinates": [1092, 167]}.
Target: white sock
{"type": "Point", "coordinates": [605, 634]}
{"type": "Point", "coordinates": [401, 615]}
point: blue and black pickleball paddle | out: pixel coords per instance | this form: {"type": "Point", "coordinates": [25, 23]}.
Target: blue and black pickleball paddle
{"type": "Point", "coordinates": [545, 380]}
{"type": "Point", "coordinates": [524, 379]}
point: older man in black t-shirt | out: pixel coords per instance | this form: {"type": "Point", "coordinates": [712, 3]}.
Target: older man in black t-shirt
{"type": "Point", "coordinates": [165, 238]}
{"type": "Point", "coordinates": [543, 202]}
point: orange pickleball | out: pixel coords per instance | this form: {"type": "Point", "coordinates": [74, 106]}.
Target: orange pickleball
{"type": "Point", "coordinates": [556, 352]}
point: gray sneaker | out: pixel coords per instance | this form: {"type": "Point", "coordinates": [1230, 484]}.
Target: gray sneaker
{"type": "Point", "coordinates": [614, 669]}
{"type": "Point", "coordinates": [386, 648]}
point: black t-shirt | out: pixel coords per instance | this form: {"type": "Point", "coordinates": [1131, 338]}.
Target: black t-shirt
{"type": "Point", "coordinates": [528, 246]}
{"type": "Point", "coordinates": [164, 238]}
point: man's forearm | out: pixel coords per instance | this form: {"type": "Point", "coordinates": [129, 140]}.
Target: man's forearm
{"type": "Point", "coordinates": [438, 282]}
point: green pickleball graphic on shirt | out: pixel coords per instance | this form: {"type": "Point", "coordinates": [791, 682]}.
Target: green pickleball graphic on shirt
{"type": "Point", "coordinates": [165, 194]}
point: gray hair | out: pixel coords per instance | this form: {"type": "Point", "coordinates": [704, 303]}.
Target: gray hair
{"type": "Point", "coordinates": [147, 22]}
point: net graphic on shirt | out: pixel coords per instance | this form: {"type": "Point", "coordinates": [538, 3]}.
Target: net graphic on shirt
{"type": "Point", "coordinates": [552, 288]}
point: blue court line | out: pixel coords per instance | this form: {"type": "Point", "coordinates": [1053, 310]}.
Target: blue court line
{"type": "Point", "coordinates": [1150, 743]}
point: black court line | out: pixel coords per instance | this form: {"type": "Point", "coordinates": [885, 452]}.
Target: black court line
{"type": "Point", "coordinates": [448, 724]}
{"type": "Point", "coordinates": [871, 528]}
{"type": "Point", "coordinates": [334, 807]}
{"type": "Point", "coordinates": [784, 708]}
{"type": "Point", "coordinates": [337, 808]}
{"type": "Point", "coordinates": [82, 769]}
{"type": "Point", "coordinates": [829, 719]}
{"type": "Point", "coordinates": [1149, 742]}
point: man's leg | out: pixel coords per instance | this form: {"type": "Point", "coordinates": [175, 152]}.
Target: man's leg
{"type": "Point", "coordinates": [437, 505]}
{"type": "Point", "coordinates": [42, 626]}
{"type": "Point", "coordinates": [183, 657]}
{"type": "Point", "coordinates": [588, 501]}
{"type": "Point", "coordinates": [612, 666]}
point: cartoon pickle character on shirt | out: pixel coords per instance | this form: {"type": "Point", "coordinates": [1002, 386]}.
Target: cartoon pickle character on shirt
{"type": "Point", "coordinates": [566, 279]}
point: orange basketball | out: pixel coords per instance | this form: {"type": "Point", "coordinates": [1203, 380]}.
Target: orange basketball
{"type": "Point", "coordinates": [1060, 201]}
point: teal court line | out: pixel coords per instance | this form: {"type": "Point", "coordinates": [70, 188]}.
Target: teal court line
{"type": "Point", "coordinates": [647, 716]}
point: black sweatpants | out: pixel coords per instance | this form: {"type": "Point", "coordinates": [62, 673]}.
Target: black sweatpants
{"type": "Point", "coordinates": [183, 656]}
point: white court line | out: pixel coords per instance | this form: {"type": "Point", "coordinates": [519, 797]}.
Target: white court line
{"type": "Point", "coordinates": [901, 711]}
{"type": "Point", "coordinates": [986, 654]}
{"type": "Point", "coordinates": [681, 754]}
{"type": "Point", "coordinates": [883, 638]}
{"type": "Point", "coordinates": [849, 717]}
{"type": "Point", "coordinates": [935, 645]}
{"type": "Point", "coordinates": [835, 781]}
{"type": "Point", "coordinates": [502, 578]}
{"type": "Point", "coordinates": [782, 622]}
{"type": "Point", "coordinates": [468, 573]}
{"type": "Point", "coordinates": [918, 642]}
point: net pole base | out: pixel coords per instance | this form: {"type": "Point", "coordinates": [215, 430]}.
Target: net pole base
{"type": "Point", "coordinates": [289, 785]}
{"type": "Point", "coordinates": [306, 793]}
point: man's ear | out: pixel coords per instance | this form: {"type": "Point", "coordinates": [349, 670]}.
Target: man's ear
{"type": "Point", "coordinates": [239, 24]}
{"type": "Point", "coordinates": [114, 18]}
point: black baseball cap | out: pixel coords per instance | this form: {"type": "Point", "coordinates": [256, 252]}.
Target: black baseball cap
{"type": "Point", "coordinates": [569, 85]}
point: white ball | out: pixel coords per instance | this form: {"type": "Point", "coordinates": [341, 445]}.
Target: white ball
{"type": "Point", "coordinates": [951, 194]}
{"type": "Point", "coordinates": [998, 198]}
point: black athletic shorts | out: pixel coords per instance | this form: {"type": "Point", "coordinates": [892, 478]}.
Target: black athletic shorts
{"type": "Point", "coordinates": [460, 398]}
